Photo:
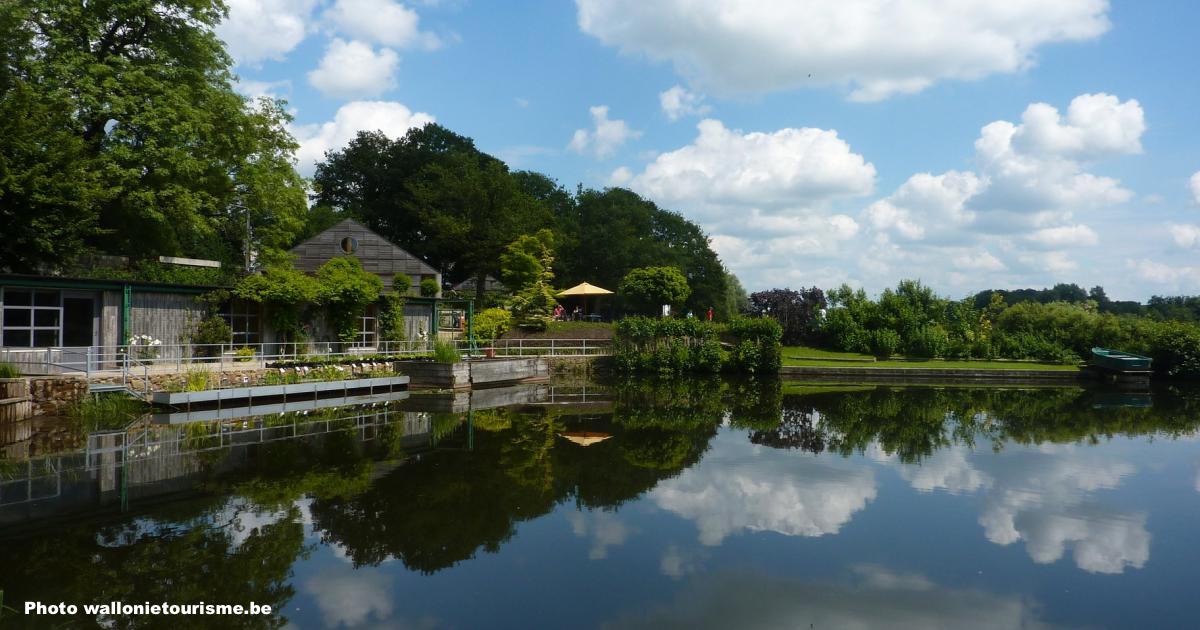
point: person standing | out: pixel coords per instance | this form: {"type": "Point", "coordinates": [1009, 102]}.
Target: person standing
{"type": "Point", "coordinates": [708, 315]}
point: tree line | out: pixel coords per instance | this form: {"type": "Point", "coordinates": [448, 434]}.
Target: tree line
{"type": "Point", "coordinates": [121, 134]}
{"type": "Point", "coordinates": [911, 320]}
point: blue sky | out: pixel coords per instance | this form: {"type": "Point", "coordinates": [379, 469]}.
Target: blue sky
{"type": "Point", "coordinates": [970, 143]}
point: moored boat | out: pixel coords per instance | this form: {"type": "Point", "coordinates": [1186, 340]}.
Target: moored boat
{"type": "Point", "coordinates": [1118, 361]}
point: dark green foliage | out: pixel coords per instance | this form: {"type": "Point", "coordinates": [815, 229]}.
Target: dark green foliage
{"type": "Point", "coordinates": [645, 289]}
{"type": "Point", "coordinates": [120, 132]}
{"type": "Point", "coordinates": [212, 330]}
{"type": "Point", "coordinates": [391, 316]}
{"type": "Point", "coordinates": [798, 312]}
{"type": "Point", "coordinates": [927, 326]}
{"type": "Point", "coordinates": [284, 291]}
{"type": "Point", "coordinates": [679, 346]}
{"type": "Point", "coordinates": [429, 287]}
{"type": "Point", "coordinates": [8, 370]}
{"type": "Point", "coordinates": [346, 290]}
{"type": "Point", "coordinates": [154, 271]}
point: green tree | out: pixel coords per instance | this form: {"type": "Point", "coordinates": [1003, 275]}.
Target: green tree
{"type": "Point", "coordinates": [524, 260]}
{"type": "Point", "coordinates": [646, 288]}
{"type": "Point", "coordinates": [346, 290]}
{"type": "Point", "coordinates": [285, 291]}
{"type": "Point", "coordinates": [533, 305]}
{"type": "Point", "coordinates": [126, 109]}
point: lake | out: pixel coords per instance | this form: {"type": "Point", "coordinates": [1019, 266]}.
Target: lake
{"type": "Point", "coordinates": [694, 503]}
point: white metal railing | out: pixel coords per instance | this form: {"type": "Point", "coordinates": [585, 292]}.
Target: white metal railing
{"type": "Point", "coordinates": [179, 357]}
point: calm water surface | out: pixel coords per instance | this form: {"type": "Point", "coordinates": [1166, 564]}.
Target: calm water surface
{"type": "Point", "coordinates": [688, 504]}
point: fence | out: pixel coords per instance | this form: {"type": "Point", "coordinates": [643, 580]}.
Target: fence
{"type": "Point", "coordinates": [180, 357]}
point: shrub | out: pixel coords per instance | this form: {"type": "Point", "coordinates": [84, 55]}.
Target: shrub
{"type": "Point", "coordinates": [429, 287]}
{"type": "Point", "coordinates": [346, 289]}
{"type": "Point", "coordinates": [8, 370]}
{"type": "Point", "coordinates": [676, 346]}
{"type": "Point", "coordinates": [647, 288]}
{"type": "Point", "coordinates": [928, 341]}
{"type": "Point", "coordinates": [243, 354]}
{"type": "Point", "coordinates": [211, 330]}
{"type": "Point", "coordinates": [391, 314]}
{"type": "Point", "coordinates": [885, 342]}
{"type": "Point", "coordinates": [444, 352]}
{"type": "Point", "coordinates": [492, 323]}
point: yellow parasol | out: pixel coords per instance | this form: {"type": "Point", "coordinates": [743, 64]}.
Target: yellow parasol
{"type": "Point", "coordinates": [584, 290]}
{"type": "Point", "coordinates": [585, 438]}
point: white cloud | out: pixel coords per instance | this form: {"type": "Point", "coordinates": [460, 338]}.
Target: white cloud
{"type": "Point", "coordinates": [392, 118]}
{"type": "Point", "coordinates": [1096, 124]}
{"type": "Point", "coordinates": [936, 201]}
{"type": "Point", "coordinates": [1045, 500]}
{"type": "Point", "coordinates": [1065, 236]}
{"type": "Point", "coordinates": [678, 102]}
{"type": "Point", "coordinates": [384, 22]}
{"type": "Point", "coordinates": [348, 597]}
{"type": "Point", "coordinates": [604, 528]}
{"type": "Point", "coordinates": [1185, 235]}
{"type": "Point", "coordinates": [1178, 277]}
{"type": "Point", "coordinates": [1194, 184]}
{"type": "Point", "coordinates": [876, 49]}
{"type": "Point", "coordinates": [742, 488]}
{"type": "Point", "coordinates": [788, 168]}
{"type": "Point", "coordinates": [979, 261]}
{"type": "Point", "coordinates": [620, 176]}
{"type": "Point", "coordinates": [262, 89]}
{"type": "Point", "coordinates": [353, 69]}
{"type": "Point", "coordinates": [605, 137]}
{"type": "Point", "coordinates": [257, 30]}
{"type": "Point", "coordinates": [873, 597]}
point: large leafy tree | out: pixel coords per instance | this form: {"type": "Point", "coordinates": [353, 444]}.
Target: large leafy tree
{"type": "Point", "coordinates": [435, 194]}
{"type": "Point", "coordinates": [646, 288]}
{"type": "Point", "coordinates": [798, 312]}
{"type": "Point", "coordinates": [616, 230]}
{"type": "Point", "coordinates": [131, 119]}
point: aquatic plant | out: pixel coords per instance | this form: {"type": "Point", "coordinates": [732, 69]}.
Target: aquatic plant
{"type": "Point", "coordinates": [8, 370]}
{"type": "Point", "coordinates": [107, 411]}
{"type": "Point", "coordinates": [444, 352]}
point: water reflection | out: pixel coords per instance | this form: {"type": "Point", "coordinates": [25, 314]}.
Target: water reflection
{"type": "Point", "coordinates": [342, 519]}
{"type": "Point", "coordinates": [869, 597]}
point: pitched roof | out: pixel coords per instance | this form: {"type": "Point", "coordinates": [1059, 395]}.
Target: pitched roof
{"type": "Point", "coordinates": [377, 254]}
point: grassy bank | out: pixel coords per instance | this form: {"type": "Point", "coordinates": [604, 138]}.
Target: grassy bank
{"type": "Point", "coordinates": [802, 356]}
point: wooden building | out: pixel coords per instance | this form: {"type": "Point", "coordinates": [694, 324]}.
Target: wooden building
{"type": "Point", "coordinates": [377, 255]}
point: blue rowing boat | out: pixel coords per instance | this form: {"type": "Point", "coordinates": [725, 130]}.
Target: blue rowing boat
{"type": "Point", "coordinates": [1118, 361]}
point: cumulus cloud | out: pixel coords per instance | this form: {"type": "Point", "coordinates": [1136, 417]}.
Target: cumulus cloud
{"type": "Point", "coordinates": [1185, 235]}
{"type": "Point", "coordinates": [678, 102]}
{"type": "Point", "coordinates": [876, 49]}
{"type": "Point", "coordinates": [1065, 236]}
{"type": "Point", "coordinates": [389, 117]}
{"type": "Point", "coordinates": [787, 168]}
{"type": "Point", "coordinates": [740, 490]}
{"type": "Point", "coordinates": [384, 22]}
{"type": "Point", "coordinates": [1176, 277]}
{"type": "Point", "coordinates": [257, 30]}
{"type": "Point", "coordinates": [605, 136]}
{"type": "Point", "coordinates": [354, 69]}
{"type": "Point", "coordinates": [262, 89]}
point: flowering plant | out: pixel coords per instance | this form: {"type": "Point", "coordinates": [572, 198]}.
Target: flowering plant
{"type": "Point", "coordinates": [145, 346]}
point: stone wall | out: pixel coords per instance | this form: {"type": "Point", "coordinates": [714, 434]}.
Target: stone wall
{"type": "Point", "coordinates": [55, 395]}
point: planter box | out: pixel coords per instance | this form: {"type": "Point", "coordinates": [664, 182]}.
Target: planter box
{"type": "Point", "coordinates": [314, 389]}
{"type": "Point", "coordinates": [436, 375]}
{"type": "Point", "coordinates": [468, 374]}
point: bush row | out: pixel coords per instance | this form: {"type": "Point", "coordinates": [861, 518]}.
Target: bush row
{"type": "Point", "coordinates": [676, 346]}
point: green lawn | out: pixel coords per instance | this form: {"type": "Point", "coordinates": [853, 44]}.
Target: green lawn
{"type": "Point", "coordinates": [814, 357]}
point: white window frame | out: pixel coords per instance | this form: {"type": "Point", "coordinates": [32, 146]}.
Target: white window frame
{"type": "Point", "coordinates": [32, 308]}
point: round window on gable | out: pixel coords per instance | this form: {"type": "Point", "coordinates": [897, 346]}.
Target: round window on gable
{"type": "Point", "coordinates": [349, 244]}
